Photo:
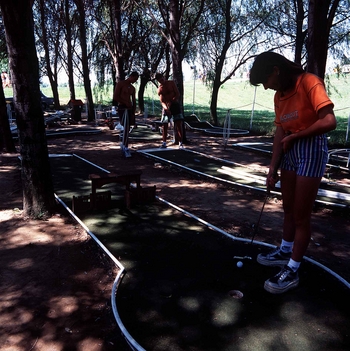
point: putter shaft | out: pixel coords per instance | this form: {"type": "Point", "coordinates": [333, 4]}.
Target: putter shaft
{"type": "Point", "coordinates": [275, 170]}
{"type": "Point", "coordinates": [261, 212]}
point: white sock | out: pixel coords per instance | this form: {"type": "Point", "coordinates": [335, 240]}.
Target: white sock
{"type": "Point", "coordinates": [286, 246]}
{"type": "Point", "coordinates": [294, 265]}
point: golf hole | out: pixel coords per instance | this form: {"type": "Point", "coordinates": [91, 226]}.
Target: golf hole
{"type": "Point", "coordinates": [236, 294]}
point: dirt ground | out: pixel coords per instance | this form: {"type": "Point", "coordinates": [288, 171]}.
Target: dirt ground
{"type": "Point", "coordinates": [56, 284]}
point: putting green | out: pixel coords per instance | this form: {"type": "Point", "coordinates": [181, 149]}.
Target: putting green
{"type": "Point", "coordinates": [221, 170]}
{"type": "Point", "coordinates": [177, 290]}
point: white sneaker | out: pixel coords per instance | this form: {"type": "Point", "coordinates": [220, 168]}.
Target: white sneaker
{"type": "Point", "coordinates": [283, 281]}
{"type": "Point", "coordinates": [127, 153]}
{"type": "Point", "coordinates": [181, 146]}
{"type": "Point", "coordinates": [119, 127]}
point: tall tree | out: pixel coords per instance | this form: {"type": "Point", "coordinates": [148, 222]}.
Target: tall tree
{"type": "Point", "coordinates": [126, 40]}
{"type": "Point", "coordinates": [119, 61]}
{"type": "Point", "coordinates": [231, 31]}
{"type": "Point", "coordinates": [300, 31]}
{"type": "Point", "coordinates": [49, 31]}
{"type": "Point", "coordinates": [111, 55]}
{"type": "Point", "coordinates": [6, 141]}
{"type": "Point", "coordinates": [312, 28]}
{"type": "Point", "coordinates": [288, 21]}
{"type": "Point", "coordinates": [38, 195]}
{"type": "Point", "coordinates": [68, 25]}
{"type": "Point", "coordinates": [320, 19]}
{"type": "Point", "coordinates": [103, 57]}
{"type": "Point", "coordinates": [180, 19]}
{"type": "Point", "coordinates": [82, 7]}
{"type": "Point", "coordinates": [144, 45]}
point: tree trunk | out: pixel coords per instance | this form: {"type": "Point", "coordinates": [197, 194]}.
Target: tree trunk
{"type": "Point", "coordinates": [119, 67]}
{"type": "Point", "coordinates": [214, 104]}
{"type": "Point", "coordinates": [172, 13]}
{"type": "Point", "coordinates": [321, 15]}
{"type": "Point", "coordinates": [177, 54]}
{"type": "Point", "coordinates": [85, 60]}
{"type": "Point", "coordinates": [216, 86]}
{"type": "Point", "coordinates": [6, 140]}
{"type": "Point", "coordinates": [52, 77]}
{"type": "Point", "coordinates": [220, 65]}
{"type": "Point", "coordinates": [69, 51]}
{"type": "Point", "coordinates": [300, 34]}
{"type": "Point", "coordinates": [38, 195]}
{"type": "Point", "coordinates": [144, 79]}
{"type": "Point", "coordinates": [175, 46]}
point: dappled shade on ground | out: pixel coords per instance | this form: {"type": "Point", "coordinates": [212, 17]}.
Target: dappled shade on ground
{"type": "Point", "coordinates": [176, 292]}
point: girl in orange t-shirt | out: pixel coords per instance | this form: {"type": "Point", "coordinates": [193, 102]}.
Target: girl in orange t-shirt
{"type": "Point", "coordinates": [304, 114]}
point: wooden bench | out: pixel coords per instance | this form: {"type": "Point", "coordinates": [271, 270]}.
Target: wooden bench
{"type": "Point", "coordinates": [127, 178]}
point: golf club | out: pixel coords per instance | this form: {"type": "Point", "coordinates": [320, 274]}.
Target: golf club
{"type": "Point", "coordinates": [274, 173]}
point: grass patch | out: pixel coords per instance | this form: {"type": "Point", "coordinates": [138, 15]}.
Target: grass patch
{"type": "Point", "coordinates": [250, 108]}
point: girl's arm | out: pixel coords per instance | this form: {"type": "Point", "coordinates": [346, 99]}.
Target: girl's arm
{"type": "Point", "coordinates": [277, 152]}
{"type": "Point", "coordinates": [325, 123]}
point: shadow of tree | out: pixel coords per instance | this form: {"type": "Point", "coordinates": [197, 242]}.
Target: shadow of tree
{"type": "Point", "coordinates": [55, 288]}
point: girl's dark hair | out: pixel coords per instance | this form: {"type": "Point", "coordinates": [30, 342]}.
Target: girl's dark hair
{"type": "Point", "coordinates": [158, 76]}
{"type": "Point", "coordinates": [263, 67]}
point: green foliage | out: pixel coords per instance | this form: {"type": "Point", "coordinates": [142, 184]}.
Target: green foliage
{"type": "Point", "coordinates": [236, 96]}
{"type": "Point", "coordinates": [4, 66]}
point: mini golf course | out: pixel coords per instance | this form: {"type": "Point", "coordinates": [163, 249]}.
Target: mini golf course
{"type": "Point", "coordinates": [180, 287]}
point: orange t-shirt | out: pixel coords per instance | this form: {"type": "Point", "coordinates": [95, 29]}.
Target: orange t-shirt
{"type": "Point", "coordinates": [298, 110]}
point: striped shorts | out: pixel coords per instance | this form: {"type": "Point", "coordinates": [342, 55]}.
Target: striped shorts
{"type": "Point", "coordinates": [308, 156]}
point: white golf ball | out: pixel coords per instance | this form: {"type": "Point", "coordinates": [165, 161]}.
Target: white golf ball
{"type": "Point", "coordinates": [239, 264]}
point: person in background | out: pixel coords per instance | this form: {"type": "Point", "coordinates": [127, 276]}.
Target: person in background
{"type": "Point", "coordinates": [169, 97]}
{"type": "Point", "coordinates": [303, 116]}
{"type": "Point", "coordinates": [5, 80]}
{"type": "Point", "coordinates": [125, 98]}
